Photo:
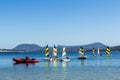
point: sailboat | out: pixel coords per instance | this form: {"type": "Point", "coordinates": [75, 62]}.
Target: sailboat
{"type": "Point", "coordinates": [107, 50]}
{"type": "Point", "coordinates": [63, 56]}
{"type": "Point", "coordinates": [81, 51]}
{"type": "Point", "coordinates": [98, 51]}
{"type": "Point", "coordinates": [64, 52]}
{"type": "Point", "coordinates": [55, 52]}
{"type": "Point", "coordinates": [93, 52]}
{"type": "Point", "coordinates": [47, 54]}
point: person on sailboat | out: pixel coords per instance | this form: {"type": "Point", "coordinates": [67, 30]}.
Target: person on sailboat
{"type": "Point", "coordinates": [51, 59]}
{"type": "Point", "coordinates": [67, 57]}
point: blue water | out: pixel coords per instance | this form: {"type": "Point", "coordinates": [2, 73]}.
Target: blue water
{"type": "Point", "coordinates": [94, 68]}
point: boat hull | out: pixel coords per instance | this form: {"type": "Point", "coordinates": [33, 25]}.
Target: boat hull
{"type": "Point", "coordinates": [82, 57]}
{"type": "Point", "coordinates": [21, 60]}
{"type": "Point", "coordinates": [46, 59]}
{"type": "Point", "coordinates": [65, 60]}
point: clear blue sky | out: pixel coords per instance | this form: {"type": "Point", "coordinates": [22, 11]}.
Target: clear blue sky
{"type": "Point", "coordinates": [60, 22]}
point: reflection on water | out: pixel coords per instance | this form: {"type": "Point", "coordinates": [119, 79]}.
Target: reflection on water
{"type": "Point", "coordinates": [82, 62]}
{"type": "Point", "coordinates": [47, 63]}
{"type": "Point", "coordinates": [55, 63]}
{"type": "Point", "coordinates": [24, 64]}
{"type": "Point", "coordinates": [108, 61]}
{"type": "Point", "coordinates": [64, 64]}
{"type": "Point", "coordinates": [98, 60]}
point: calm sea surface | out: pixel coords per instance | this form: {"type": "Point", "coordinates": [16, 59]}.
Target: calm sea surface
{"type": "Point", "coordinates": [94, 68]}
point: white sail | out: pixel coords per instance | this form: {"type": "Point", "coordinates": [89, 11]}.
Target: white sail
{"type": "Point", "coordinates": [64, 52]}
{"type": "Point", "coordinates": [98, 51]}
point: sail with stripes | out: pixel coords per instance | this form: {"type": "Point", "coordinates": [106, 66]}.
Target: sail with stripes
{"type": "Point", "coordinates": [47, 51]}
{"type": "Point", "coordinates": [55, 50]}
{"type": "Point", "coordinates": [107, 51]}
{"type": "Point", "coordinates": [81, 51]}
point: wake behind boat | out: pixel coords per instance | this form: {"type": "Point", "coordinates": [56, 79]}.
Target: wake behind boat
{"type": "Point", "coordinates": [81, 51]}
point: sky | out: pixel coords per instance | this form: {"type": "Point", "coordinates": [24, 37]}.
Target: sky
{"type": "Point", "coordinates": [59, 22]}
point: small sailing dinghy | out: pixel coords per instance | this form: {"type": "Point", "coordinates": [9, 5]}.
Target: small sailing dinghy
{"type": "Point", "coordinates": [93, 52]}
{"type": "Point", "coordinates": [55, 53]}
{"type": "Point", "coordinates": [66, 59]}
{"type": "Point", "coordinates": [107, 50]}
{"type": "Point", "coordinates": [98, 51]}
{"type": "Point", "coordinates": [81, 51]}
{"type": "Point", "coordinates": [48, 58]}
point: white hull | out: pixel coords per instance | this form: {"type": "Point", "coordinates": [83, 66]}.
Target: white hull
{"type": "Point", "coordinates": [46, 59]}
{"type": "Point", "coordinates": [82, 57]}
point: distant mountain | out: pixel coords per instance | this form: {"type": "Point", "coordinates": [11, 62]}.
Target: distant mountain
{"type": "Point", "coordinates": [34, 47]}
{"type": "Point", "coordinates": [95, 45]}
{"type": "Point", "coordinates": [28, 47]}
{"type": "Point", "coordinates": [115, 48]}
{"type": "Point", "coordinates": [86, 47]}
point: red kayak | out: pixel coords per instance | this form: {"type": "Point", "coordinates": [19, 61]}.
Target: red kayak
{"type": "Point", "coordinates": [21, 60]}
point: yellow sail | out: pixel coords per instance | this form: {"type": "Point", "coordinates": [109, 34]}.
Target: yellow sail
{"type": "Point", "coordinates": [81, 51]}
{"type": "Point", "coordinates": [108, 51]}
{"type": "Point", "coordinates": [47, 51]}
